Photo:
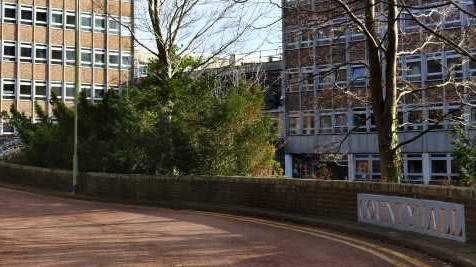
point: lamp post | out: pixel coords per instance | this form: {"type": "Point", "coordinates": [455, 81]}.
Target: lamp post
{"type": "Point", "coordinates": [76, 95]}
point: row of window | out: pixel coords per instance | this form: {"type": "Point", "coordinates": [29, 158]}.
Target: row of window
{"type": "Point", "coordinates": [441, 167]}
{"type": "Point", "coordinates": [64, 55]}
{"type": "Point", "coordinates": [417, 68]}
{"type": "Point", "coordinates": [41, 16]}
{"type": "Point", "coordinates": [362, 120]}
{"type": "Point", "coordinates": [448, 18]}
{"type": "Point", "coordinates": [27, 89]}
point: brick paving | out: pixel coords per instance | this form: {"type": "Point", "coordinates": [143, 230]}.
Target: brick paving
{"type": "Point", "coordinates": [37, 230]}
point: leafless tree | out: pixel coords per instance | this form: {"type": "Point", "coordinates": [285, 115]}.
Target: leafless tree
{"type": "Point", "coordinates": [201, 29]}
{"type": "Point", "coordinates": [381, 24]}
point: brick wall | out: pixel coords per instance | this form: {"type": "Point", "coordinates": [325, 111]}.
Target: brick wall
{"type": "Point", "coordinates": [333, 199]}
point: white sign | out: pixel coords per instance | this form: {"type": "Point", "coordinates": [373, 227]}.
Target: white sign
{"type": "Point", "coordinates": [436, 218]}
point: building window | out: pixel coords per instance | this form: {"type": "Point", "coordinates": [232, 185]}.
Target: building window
{"type": "Point", "coordinates": [114, 25]}
{"type": "Point", "coordinates": [41, 53]}
{"type": "Point", "coordinates": [41, 16]}
{"type": "Point", "coordinates": [57, 18]}
{"type": "Point", "coordinates": [360, 121]}
{"type": "Point", "coordinates": [10, 13]}
{"type": "Point", "coordinates": [126, 60]}
{"type": "Point", "coordinates": [434, 69]}
{"type": "Point", "coordinates": [325, 123]}
{"type": "Point", "coordinates": [99, 23]}
{"type": "Point", "coordinates": [367, 167]}
{"type": "Point", "coordinates": [126, 26]}
{"type": "Point", "coordinates": [70, 55]}
{"type": "Point", "coordinates": [86, 57]}
{"type": "Point", "coordinates": [308, 123]}
{"type": "Point", "coordinates": [26, 15]}
{"type": "Point", "coordinates": [70, 20]}
{"type": "Point", "coordinates": [56, 55]}
{"type": "Point", "coordinates": [40, 90]}
{"type": "Point", "coordinates": [435, 118]}
{"type": "Point", "coordinates": [472, 68]}
{"type": "Point", "coordinates": [99, 57]}
{"type": "Point", "coordinates": [8, 87]}
{"type": "Point", "coordinates": [325, 78]}
{"type": "Point", "coordinates": [116, 89]}
{"type": "Point", "coordinates": [294, 125]}
{"type": "Point", "coordinates": [413, 168]}
{"type": "Point", "coordinates": [358, 76]}
{"type": "Point", "coordinates": [56, 90]}
{"type": "Point", "coordinates": [69, 92]}
{"type": "Point", "coordinates": [415, 120]}
{"type": "Point", "coordinates": [340, 122]}
{"type": "Point", "coordinates": [87, 90]}
{"type": "Point", "coordinates": [454, 66]}
{"type": "Point", "coordinates": [86, 22]}
{"type": "Point", "coordinates": [9, 51]}
{"type": "Point", "coordinates": [25, 89]}
{"type": "Point", "coordinates": [114, 59]}
{"type": "Point", "coordinates": [456, 117]}
{"type": "Point", "coordinates": [413, 68]}
{"type": "Point", "coordinates": [99, 91]}
{"type": "Point", "coordinates": [26, 53]}
{"type": "Point", "coordinates": [6, 128]}
{"type": "Point", "coordinates": [292, 82]}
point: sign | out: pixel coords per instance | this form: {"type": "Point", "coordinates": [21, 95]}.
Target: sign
{"type": "Point", "coordinates": [429, 217]}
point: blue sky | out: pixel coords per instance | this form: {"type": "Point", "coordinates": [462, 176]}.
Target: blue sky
{"type": "Point", "coordinates": [262, 41]}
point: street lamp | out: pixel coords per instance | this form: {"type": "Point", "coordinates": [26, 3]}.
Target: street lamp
{"type": "Point", "coordinates": [76, 96]}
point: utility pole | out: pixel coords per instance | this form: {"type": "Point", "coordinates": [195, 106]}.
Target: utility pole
{"type": "Point", "coordinates": [76, 95]}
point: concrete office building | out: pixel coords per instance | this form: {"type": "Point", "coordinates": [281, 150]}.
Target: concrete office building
{"type": "Point", "coordinates": [322, 108]}
{"type": "Point", "coordinates": [38, 55]}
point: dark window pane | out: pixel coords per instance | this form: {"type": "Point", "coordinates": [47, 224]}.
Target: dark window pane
{"type": "Point", "coordinates": [438, 166]}
{"type": "Point", "coordinates": [415, 166]}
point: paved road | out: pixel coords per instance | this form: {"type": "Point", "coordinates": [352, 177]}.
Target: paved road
{"type": "Point", "coordinates": [38, 230]}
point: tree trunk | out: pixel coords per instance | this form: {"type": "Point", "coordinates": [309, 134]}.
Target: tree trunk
{"type": "Point", "coordinates": [383, 91]}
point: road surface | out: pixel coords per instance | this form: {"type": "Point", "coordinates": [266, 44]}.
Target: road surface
{"type": "Point", "coordinates": [37, 230]}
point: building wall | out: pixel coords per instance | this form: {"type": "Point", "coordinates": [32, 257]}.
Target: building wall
{"type": "Point", "coordinates": [38, 39]}
{"type": "Point", "coordinates": [326, 89]}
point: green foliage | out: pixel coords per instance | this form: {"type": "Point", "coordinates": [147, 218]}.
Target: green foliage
{"type": "Point", "coordinates": [178, 126]}
{"type": "Point", "coordinates": [464, 152]}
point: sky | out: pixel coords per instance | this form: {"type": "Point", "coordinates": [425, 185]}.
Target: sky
{"type": "Point", "coordinates": [261, 40]}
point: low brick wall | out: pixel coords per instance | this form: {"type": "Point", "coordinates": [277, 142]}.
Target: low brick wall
{"type": "Point", "coordinates": [332, 199]}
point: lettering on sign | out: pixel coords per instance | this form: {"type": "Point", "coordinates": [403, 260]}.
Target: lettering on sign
{"type": "Point", "coordinates": [430, 217]}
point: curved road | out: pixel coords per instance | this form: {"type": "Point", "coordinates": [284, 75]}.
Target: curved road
{"type": "Point", "coordinates": [37, 230]}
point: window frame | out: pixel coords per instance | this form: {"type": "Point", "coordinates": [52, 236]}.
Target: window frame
{"type": "Point", "coordinates": [40, 22]}
{"type": "Point", "coordinates": [70, 26]}
{"type": "Point", "coordinates": [101, 29]}
{"type": "Point", "coordinates": [26, 59]}
{"type": "Point", "coordinates": [54, 12]}
{"type": "Point", "coordinates": [5, 56]}
{"type": "Point", "coordinates": [9, 19]}
{"type": "Point", "coordinates": [9, 95]}
{"type": "Point", "coordinates": [36, 58]}
{"type": "Point", "coordinates": [100, 52]}
{"type": "Point", "coordinates": [25, 96]}
{"type": "Point", "coordinates": [87, 28]}
{"type": "Point", "coordinates": [38, 84]}
{"type": "Point", "coordinates": [91, 57]}
{"type": "Point", "coordinates": [54, 60]}
{"type": "Point", "coordinates": [26, 21]}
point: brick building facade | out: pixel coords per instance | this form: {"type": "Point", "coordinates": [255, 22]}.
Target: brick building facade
{"type": "Point", "coordinates": [330, 130]}
{"type": "Point", "coordinates": [38, 49]}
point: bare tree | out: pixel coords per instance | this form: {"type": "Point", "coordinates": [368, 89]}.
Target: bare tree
{"type": "Point", "coordinates": [381, 24]}
{"type": "Point", "coordinates": [201, 29]}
